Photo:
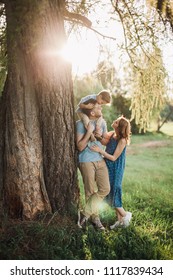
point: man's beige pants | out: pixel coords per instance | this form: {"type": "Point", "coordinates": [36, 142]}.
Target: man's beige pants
{"type": "Point", "coordinates": [96, 184]}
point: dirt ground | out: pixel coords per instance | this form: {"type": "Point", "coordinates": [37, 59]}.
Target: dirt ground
{"type": "Point", "coordinates": [155, 144]}
{"type": "Point", "coordinates": [150, 144]}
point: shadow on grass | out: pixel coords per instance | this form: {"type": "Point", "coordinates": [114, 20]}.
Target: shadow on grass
{"type": "Point", "coordinates": [123, 244]}
{"type": "Point", "coordinates": [62, 240]}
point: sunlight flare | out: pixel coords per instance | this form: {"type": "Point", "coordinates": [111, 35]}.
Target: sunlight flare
{"type": "Point", "coordinates": [82, 56]}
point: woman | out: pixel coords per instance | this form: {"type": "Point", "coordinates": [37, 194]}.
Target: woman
{"type": "Point", "coordinates": [115, 156]}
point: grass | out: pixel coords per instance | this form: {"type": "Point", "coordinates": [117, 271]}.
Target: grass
{"type": "Point", "coordinates": [147, 193]}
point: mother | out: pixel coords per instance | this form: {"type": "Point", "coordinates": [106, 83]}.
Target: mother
{"type": "Point", "coordinates": [115, 156]}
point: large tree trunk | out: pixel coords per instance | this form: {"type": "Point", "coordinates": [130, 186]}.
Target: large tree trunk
{"type": "Point", "coordinates": [39, 158]}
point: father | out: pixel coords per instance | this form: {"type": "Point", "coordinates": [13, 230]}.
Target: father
{"type": "Point", "coordinates": [92, 167]}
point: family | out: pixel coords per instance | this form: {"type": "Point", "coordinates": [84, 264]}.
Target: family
{"type": "Point", "coordinates": [99, 167]}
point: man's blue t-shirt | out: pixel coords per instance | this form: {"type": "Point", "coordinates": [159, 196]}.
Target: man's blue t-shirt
{"type": "Point", "coordinates": [87, 155]}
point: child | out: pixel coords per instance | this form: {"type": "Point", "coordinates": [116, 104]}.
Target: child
{"type": "Point", "coordinates": [115, 155]}
{"type": "Point", "coordinates": [103, 97]}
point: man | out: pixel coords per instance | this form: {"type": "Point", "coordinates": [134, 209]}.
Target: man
{"type": "Point", "coordinates": [92, 167]}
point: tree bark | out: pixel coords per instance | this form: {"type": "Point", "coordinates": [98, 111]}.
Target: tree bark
{"type": "Point", "coordinates": [39, 156]}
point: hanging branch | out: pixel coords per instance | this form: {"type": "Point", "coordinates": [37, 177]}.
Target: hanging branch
{"type": "Point", "coordinates": [125, 38]}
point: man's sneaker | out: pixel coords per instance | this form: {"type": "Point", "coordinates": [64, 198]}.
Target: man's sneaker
{"type": "Point", "coordinates": [97, 224]}
{"type": "Point", "coordinates": [82, 220]}
{"type": "Point", "coordinates": [117, 224]}
{"type": "Point", "coordinates": [127, 219]}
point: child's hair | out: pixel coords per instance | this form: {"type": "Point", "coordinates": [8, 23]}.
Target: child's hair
{"type": "Point", "coordinates": [106, 96]}
{"type": "Point", "coordinates": [124, 129]}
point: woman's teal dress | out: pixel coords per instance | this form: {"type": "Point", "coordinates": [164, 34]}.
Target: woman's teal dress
{"type": "Point", "coordinates": [116, 171]}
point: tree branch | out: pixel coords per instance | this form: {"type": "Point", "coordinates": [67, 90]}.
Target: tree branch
{"type": "Point", "coordinates": [77, 17]}
{"type": "Point", "coordinates": [80, 19]}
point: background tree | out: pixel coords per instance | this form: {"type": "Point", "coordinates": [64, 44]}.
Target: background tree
{"type": "Point", "coordinates": [165, 115]}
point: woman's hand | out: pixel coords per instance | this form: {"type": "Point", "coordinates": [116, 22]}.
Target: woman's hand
{"type": "Point", "coordinates": [95, 148]}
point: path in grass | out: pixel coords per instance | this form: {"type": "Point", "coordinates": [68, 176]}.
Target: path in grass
{"type": "Point", "coordinates": [149, 144]}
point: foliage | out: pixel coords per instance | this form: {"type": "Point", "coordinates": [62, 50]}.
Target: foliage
{"type": "Point", "coordinates": [147, 192]}
{"type": "Point", "coordinates": [167, 112]}
{"type": "Point", "coordinates": [120, 106]}
{"type": "Point", "coordinates": [143, 28]}
{"type": "Point", "coordinates": [106, 74]}
{"type": "Point", "coordinates": [165, 8]}
{"type": "Point", "coordinates": [88, 84]}
{"type": "Point", "coordinates": [122, 103]}
{"type": "Point", "coordinates": [148, 90]}
{"type": "Point", "coordinates": [143, 31]}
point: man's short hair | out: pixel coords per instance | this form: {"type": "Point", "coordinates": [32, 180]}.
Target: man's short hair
{"type": "Point", "coordinates": [88, 111]}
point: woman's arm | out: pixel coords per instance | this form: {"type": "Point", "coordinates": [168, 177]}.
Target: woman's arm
{"type": "Point", "coordinates": [119, 149]}
{"type": "Point", "coordinates": [106, 137]}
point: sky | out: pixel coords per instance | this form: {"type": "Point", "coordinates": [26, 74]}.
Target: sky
{"type": "Point", "coordinates": [84, 50]}
{"type": "Point", "coordinates": [82, 54]}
